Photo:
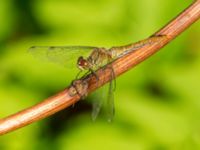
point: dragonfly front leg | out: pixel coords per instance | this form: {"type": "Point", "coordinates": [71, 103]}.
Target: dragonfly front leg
{"type": "Point", "coordinates": [78, 74]}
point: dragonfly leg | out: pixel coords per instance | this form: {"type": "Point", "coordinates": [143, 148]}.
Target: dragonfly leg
{"type": "Point", "coordinates": [78, 74]}
{"type": "Point", "coordinates": [88, 72]}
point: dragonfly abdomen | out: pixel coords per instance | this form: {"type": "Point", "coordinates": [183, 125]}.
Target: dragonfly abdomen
{"type": "Point", "coordinates": [123, 50]}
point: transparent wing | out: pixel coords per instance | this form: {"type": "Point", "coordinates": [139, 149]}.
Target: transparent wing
{"type": "Point", "coordinates": [105, 93]}
{"type": "Point", "coordinates": [64, 55]}
{"type": "Point", "coordinates": [110, 101]}
{"type": "Point", "coordinates": [97, 102]}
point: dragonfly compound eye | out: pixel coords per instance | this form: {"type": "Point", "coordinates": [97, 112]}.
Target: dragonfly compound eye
{"type": "Point", "coordinates": [82, 63]}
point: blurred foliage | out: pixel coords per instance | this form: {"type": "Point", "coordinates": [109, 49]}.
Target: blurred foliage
{"type": "Point", "coordinates": [157, 102]}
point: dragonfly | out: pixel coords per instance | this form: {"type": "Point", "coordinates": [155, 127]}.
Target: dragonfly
{"type": "Point", "coordinates": [90, 59]}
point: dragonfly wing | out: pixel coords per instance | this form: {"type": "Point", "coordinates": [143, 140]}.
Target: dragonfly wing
{"type": "Point", "coordinates": [101, 95]}
{"type": "Point", "coordinates": [110, 102]}
{"type": "Point", "coordinates": [97, 102]}
{"type": "Point", "coordinates": [64, 55]}
{"type": "Point", "coordinates": [96, 107]}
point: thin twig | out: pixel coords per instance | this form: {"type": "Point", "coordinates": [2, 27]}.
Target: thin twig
{"type": "Point", "coordinates": [64, 99]}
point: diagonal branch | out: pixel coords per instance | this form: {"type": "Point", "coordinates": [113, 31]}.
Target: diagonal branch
{"type": "Point", "coordinates": [65, 98]}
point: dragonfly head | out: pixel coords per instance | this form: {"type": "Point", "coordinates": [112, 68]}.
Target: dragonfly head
{"type": "Point", "coordinates": [83, 63]}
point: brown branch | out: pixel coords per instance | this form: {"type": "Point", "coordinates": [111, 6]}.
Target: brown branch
{"type": "Point", "coordinates": [64, 99]}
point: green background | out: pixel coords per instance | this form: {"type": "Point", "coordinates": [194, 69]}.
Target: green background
{"type": "Point", "coordinates": [157, 103]}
